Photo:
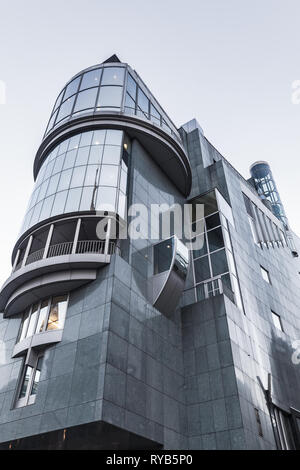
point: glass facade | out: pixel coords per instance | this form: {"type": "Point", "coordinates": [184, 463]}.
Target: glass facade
{"type": "Point", "coordinates": [108, 89]}
{"type": "Point", "coordinates": [214, 264]}
{"type": "Point", "coordinates": [85, 172]}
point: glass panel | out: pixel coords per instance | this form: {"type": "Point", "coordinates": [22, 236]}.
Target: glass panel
{"type": "Point", "coordinates": [143, 102]}
{"type": "Point", "coordinates": [63, 147]}
{"type": "Point", "coordinates": [46, 209]}
{"type": "Point", "coordinates": [110, 96]}
{"type": "Point", "coordinates": [219, 262]}
{"type": "Point", "coordinates": [130, 104]}
{"type": "Point", "coordinates": [91, 79]}
{"type": "Point", "coordinates": [215, 239]}
{"type": "Point", "coordinates": [72, 87]}
{"type": "Point", "coordinates": [52, 121]}
{"type": "Point", "coordinates": [36, 213]}
{"type": "Point", "coordinates": [122, 205]}
{"type": "Point", "coordinates": [73, 200]}
{"type": "Point", "coordinates": [203, 250]}
{"type": "Point", "coordinates": [59, 203]}
{"type": "Point", "coordinates": [131, 86]}
{"type": "Point", "coordinates": [32, 322]}
{"type": "Point", "coordinates": [49, 169]}
{"type": "Point", "coordinates": [202, 271]}
{"type": "Point", "coordinates": [70, 159]}
{"type": "Point", "coordinates": [42, 317]}
{"type": "Point", "coordinates": [123, 181]}
{"type": "Point", "coordinates": [78, 176]}
{"type": "Point", "coordinates": [52, 184]}
{"type": "Point", "coordinates": [59, 163]}
{"type": "Point", "coordinates": [154, 114]}
{"type": "Point", "coordinates": [57, 312]}
{"type": "Point", "coordinates": [113, 76]}
{"type": "Point", "coordinates": [163, 255]}
{"type": "Point", "coordinates": [86, 99]}
{"type": "Point", "coordinates": [24, 325]}
{"type": "Point", "coordinates": [65, 179]}
{"type": "Point", "coordinates": [37, 375]}
{"type": "Point", "coordinates": [74, 142]}
{"type": "Point", "coordinates": [109, 175]}
{"type": "Point", "coordinates": [26, 380]}
{"type": "Point", "coordinates": [91, 175]}
{"type": "Point", "coordinates": [82, 156]}
{"type": "Point", "coordinates": [65, 109]}
{"type": "Point", "coordinates": [111, 154]}
{"type": "Point", "coordinates": [86, 203]}
{"type": "Point", "coordinates": [96, 154]}
{"type": "Point", "coordinates": [113, 137]}
{"type": "Point", "coordinates": [99, 137]}
{"type": "Point", "coordinates": [86, 139]}
{"type": "Point", "coordinates": [212, 221]}
{"type": "Point", "coordinates": [210, 203]}
{"type": "Point", "coordinates": [106, 199]}
{"type": "Point", "coordinates": [58, 100]}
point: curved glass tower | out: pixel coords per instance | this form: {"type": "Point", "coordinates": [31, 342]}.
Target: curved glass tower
{"type": "Point", "coordinates": [81, 173]}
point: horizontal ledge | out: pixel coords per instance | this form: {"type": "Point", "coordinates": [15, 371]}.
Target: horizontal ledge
{"type": "Point", "coordinates": [37, 340]}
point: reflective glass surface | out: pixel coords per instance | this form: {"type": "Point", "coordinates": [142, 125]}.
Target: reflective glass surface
{"type": "Point", "coordinates": [82, 173]}
{"type": "Point", "coordinates": [102, 89]}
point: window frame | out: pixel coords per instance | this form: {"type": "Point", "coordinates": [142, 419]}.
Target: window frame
{"type": "Point", "coordinates": [29, 398]}
{"type": "Point", "coordinates": [25, 317]}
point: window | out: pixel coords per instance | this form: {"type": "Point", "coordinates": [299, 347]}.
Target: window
{"type": "Point", "coordinates": [46, 315]}
{"type": "Point", "coordinates": [277, 320]}
{"type": "Point", "coordinates": [90, 79]}
{"type": "Point", "coordinates": [163, 255]}
{"type": "Point", "coordinates": [110, 96]}
{"type": "Point", "coordinates": [113, 76]}
{"type": "Point", "coordinates": [253, 229]}
{"type": "Point", "coordinates": [258, 421]}
{"type": "Point", "coordinates": [284, 429]}
{"type": "Point", "coordinates": [86, 99]}
{"type": "Point", "coordinates": [29, 382]}
{"type": "Point", "coordinates": [72, 88]}
{"type": "Point", "coordinates": [265, 274]}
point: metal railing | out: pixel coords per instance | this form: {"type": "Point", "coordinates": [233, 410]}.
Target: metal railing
{"type": "Point", "coordinates": [90, 246]}
{"type": "Point", "coordinates": [207, 289]}
{"type": "Point", "coordinates": [66, 248]}
{"type": "Point", "coordinates": [60, 249]}
{"type": "Point", "coordinates": [35, 256]}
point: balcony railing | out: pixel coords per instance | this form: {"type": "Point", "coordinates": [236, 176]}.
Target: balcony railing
{"type": "Point", "coordinates": [207, 289]}
{"type": "Point", "coordinates": [60, 249]}
{"type": "Point", "coordinates": [66, 248]}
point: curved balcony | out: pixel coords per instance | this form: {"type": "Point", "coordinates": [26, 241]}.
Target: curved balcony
{"type": "Point", "coordinates": [57, 265]}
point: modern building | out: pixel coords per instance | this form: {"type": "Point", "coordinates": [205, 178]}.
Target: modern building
{"type": "Point", "coordinates": [137, 342]}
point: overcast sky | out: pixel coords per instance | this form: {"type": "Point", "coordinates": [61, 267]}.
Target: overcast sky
{"type": "Point", "coordinates": [228, 63]}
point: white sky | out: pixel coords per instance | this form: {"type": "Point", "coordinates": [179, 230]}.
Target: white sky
{"type": "Point", "coordinates": [228, 63]}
